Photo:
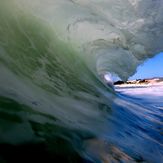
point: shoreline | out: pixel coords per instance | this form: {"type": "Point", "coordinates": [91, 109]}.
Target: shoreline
{"type": "Point", "coordinates": [140, 83]}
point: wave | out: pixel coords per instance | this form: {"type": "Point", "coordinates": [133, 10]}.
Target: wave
{"type": "Point", "coordinates": [53, 59]}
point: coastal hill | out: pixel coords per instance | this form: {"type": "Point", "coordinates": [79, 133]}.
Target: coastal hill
{"type": "Point", "coordinates": [149, 81]}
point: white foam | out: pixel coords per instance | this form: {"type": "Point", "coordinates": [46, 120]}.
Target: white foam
{"type": "Point", "coordinates": [112, 36]}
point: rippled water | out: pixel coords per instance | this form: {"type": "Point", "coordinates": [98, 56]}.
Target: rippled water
{"type": "Point", "coordinates": [145, 134]}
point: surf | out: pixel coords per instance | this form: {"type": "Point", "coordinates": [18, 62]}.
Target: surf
{"type": "Point", "coordinates": [54, 56]}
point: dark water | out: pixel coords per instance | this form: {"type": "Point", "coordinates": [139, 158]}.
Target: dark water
{"type": "Point", "coordinates": [133, 132]}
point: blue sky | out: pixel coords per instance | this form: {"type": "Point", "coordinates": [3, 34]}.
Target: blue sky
{"type": "Point", "coordinates": [151, 68]}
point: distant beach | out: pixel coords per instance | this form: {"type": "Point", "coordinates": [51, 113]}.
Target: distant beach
{"type": "Point", "coordinates": [139, 82]}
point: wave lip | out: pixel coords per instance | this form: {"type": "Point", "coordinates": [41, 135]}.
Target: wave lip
{"type": "Point", "coordinates": [123, 34]}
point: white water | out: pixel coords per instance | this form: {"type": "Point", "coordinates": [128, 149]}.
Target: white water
{"type": "Point", "coordinates": [112, 36]}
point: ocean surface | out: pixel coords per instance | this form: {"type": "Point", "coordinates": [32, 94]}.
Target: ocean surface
{"type": "Point", "coordinates": [56, 104]}
{"type": "Point", "coordinates": [131, 131]}
{"type": "Point", "coordinates": [146, 134]}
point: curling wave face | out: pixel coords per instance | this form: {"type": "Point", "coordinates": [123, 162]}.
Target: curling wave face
{"type": "Point", "coordinates": [53, 56]}
{"type": "Point", "coordinates": [104, 31]}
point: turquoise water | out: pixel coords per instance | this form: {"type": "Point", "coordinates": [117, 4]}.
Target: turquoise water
{"type": "Point", "coordinates": [53, 98]}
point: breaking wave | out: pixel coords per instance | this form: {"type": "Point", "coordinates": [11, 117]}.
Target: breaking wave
{"type": "Point", "coordinates": [53, 59]}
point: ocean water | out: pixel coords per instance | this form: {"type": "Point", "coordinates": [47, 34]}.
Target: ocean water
{"type": "Point", "coordinates": [55, 104]}
{"type": "Point", "coordinates": [147, 128]}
